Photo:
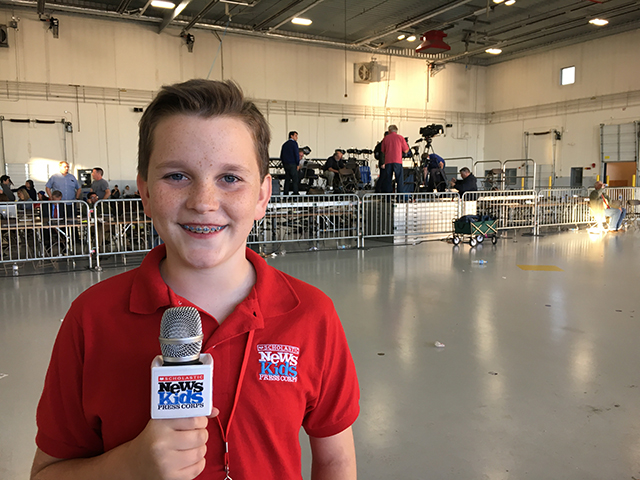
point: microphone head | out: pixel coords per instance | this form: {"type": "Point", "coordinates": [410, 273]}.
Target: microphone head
{"type": "Point", "coordinates": [181, 335]}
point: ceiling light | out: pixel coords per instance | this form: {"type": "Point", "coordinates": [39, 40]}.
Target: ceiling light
{"type": "Point", "coordinates": [401, 37]}
{"type": "Point", "coordinates": [598, 21]}
{"type": "Point", "coordinates": [412, 38]}
{"type": "Point", "coordinates": [301, 21]}
{"type": "Point", "coordinates": [162, 4]}
{"type": "Point", "coordinates": [498, 1]}
{"type": "Point", "coordinates": [510, 2]}
{"type": "Point", "coordinates": [493, 51]}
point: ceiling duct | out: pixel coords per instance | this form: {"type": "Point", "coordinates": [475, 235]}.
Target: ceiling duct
{"type": "Point", "coordinates": [432, 42]}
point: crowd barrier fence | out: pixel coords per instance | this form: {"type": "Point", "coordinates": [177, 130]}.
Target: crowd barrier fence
{"type": "Point", "coordinates": [52, 231]}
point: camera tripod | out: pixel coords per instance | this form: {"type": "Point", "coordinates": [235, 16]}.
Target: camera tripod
{"type": "Point", "coordinates": [420, 162]}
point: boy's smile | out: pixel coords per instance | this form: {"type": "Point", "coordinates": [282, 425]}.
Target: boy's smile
{"type": "Point", "coordinates": [203, 189]}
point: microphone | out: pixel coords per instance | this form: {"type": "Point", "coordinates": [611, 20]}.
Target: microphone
{"type": "Point", "coordinates": [182, 377]}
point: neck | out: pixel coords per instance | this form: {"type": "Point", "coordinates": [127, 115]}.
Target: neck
{"type": "Point", "coordinates": [216, 290]}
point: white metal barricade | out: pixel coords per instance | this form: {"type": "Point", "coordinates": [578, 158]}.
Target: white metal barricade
{"type": "Point", "coordinates": [121, 227]}
{"type": "Point", "coordinates": [408, 217]}
{"type": "Point", "coordinates": [512, 208]}
{"type": "Point", "coordinates": [562, 206]}
{"type": "Point", "coordinates": [35, 231]}
{"type": "Point", "coordinates": [307, 218]}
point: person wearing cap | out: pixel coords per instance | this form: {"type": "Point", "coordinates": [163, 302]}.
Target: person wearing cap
{"type": "Point", "coordinates": [42, 196]}
{"type": "Point", "coordinates": [5, 181]}
{"type": "Point", "coordinates": [469, 183]}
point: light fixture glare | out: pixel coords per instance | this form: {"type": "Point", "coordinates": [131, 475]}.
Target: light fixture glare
{"type": "Point", "coordinates": [301, 21]}
{"type": "Point", "coordinates": [493, 51]}
{"type": "Point", "coordinates": [162, 4]}
{"type": "Point", "coordinates": [498, 1]}
{"type": "Point", "coordinates": [598, 22]}
{"type": "Point", "coordinates": [510, 2]}
{"type": "Point", "coordinates": [412, 38]}
{"type": "Point", "coordinates": [401, 37]}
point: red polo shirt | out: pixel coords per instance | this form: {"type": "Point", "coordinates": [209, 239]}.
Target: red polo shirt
{"type": "Point", "coordinates": [299, 371]}
{"type": "Point", "coordinates": [393, 145]}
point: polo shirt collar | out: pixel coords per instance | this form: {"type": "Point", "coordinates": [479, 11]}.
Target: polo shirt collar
{"type": "Point", "coordinates": [272, 292]}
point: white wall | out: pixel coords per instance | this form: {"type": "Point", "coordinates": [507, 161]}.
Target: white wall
{"type": "Point", "coordinates": [527, 97]}
{"type": "Point", "coordinates": [134, 58]}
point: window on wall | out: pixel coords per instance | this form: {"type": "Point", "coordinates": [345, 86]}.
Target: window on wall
{"type": "Point", "coordinates": [568, 75]}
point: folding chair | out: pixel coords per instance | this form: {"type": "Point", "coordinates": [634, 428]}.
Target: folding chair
{"type": "Point", "coordinates": [348, 180]}
{"type": "Point", "coordinates": [633, 212]}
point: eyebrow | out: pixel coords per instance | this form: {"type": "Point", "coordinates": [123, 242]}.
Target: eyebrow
{"type": "Point", "coordinates": [179, 165]}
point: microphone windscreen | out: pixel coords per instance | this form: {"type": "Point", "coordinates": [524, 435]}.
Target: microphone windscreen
{"type": "Point", "coordinates": [181, 334]}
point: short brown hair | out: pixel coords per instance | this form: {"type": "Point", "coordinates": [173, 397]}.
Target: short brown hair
{"type": "Point", "coordinates": [206, 99]}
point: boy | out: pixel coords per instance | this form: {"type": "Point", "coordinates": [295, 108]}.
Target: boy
{"type": "Point", "coordinates": [203, 178]}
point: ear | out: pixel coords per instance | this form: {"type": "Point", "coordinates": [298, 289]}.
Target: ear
{"type": "Point", "coordinates": [263, 198]}
{"type": "Point", "coordinates": [143, 188]}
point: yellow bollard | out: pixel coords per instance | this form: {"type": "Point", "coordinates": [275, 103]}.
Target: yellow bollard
{"type": "Point", "coordinates": [633, 181]}
{"type": "Point", "coordinates": [550, 181]}
{"type": "Point", "coordinates": [522, 184]}
{"type": "Point", "coordinates": [607, 182]}
{"type": "Point", "coordinates": [597, 178]}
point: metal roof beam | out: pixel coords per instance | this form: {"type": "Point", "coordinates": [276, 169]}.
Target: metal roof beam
{"type": "Point", "coordinates": [297, 14]}
{"type": "Point", "coordinates": [414, 21]}
{"type": "Point", "coordinates": [199, 15]}
{"type": "Point", "coordinates": [170, 16]}
{"type": "Point", "coordinates": [277, 14]}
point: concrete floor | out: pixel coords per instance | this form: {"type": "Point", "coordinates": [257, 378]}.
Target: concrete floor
{"type": "Point", "coordinates": [539, 377]}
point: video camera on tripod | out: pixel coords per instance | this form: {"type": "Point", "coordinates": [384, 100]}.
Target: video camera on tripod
{"type": "Point", "coordinates": [431, 131]}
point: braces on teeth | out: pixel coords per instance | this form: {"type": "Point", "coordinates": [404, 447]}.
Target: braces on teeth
{"type": "Point", "coordinates": [202, 229]}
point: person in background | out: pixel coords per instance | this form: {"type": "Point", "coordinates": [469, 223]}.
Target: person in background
{"type": "Point", "coordinates": [3, 197]}
{"type": "Point", "coordinates": [469, 183]}
{"type": "Point", "coordinates": [393, 146]}
{"type": "Point", "coordinates": [379, 156]}
{"type": "Point", "coordinates": [332, 167]}
{"type": "Point", "coordinates": [64, 182]}
{"type": "Point", "coordinates": [100, 186]}
{"type": "Point", "coordinates": [6, 183]}
{"type": "Point", "coordinates": [115, 193]}
{"type": "Point", "coordinates": [602, 207]}
{"type": "Point", "coordinates": [290, 158]}
{"type": "Point", "coordinates": [127, 192]}
{"type": "Point", "coordinates": [23, 194]}
{"type": "Point", "coordinates": [435, 169]}
{"type": "Point", "coordinates": [31, 189]}
{"type": "Point", "coordinates": [42, 196]}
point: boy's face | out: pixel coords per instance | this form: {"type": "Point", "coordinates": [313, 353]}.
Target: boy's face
{"type": "Point", "coordinates": [203, 189]}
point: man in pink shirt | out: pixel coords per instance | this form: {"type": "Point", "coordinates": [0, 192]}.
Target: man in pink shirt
{"type": "Point", "coordinates": [393, 146]}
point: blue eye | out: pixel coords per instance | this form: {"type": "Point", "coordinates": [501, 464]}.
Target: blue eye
{"type": "Point", "coordinates": [176, 176]}
{"type": "Point", "coordinates": [230, 178]}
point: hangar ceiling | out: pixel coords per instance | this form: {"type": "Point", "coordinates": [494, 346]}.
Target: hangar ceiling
{"type": "Point", "coordinates": [379, 26]}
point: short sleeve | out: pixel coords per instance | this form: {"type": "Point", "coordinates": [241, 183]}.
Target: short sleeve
{"type": "Point", "coordinates": [63, 430]}
{"type": "Point", "coordinates": [338, 402]}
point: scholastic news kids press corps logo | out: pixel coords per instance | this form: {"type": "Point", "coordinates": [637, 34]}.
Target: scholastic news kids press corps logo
{"type": "Point", "coordinates": [180, 392]}
{"type": "Point", "coordinates": [278, 363]}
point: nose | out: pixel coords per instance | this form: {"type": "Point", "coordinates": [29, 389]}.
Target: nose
{"type": "Point", "coordinates": [204, 196]}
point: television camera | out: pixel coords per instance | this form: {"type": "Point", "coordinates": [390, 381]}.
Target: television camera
{"type": "Point", "coordinates": [431, 131]}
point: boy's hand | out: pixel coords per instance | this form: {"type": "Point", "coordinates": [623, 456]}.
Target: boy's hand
{"type": "Point", "coordinates": [170, 449]}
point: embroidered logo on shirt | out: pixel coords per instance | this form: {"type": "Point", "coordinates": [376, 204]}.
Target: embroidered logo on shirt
{"type": "Point", "coordinates": [278, 363]}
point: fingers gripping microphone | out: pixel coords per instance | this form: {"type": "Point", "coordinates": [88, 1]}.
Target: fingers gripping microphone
{"type": "Point", "coordinates": [182, 377]}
